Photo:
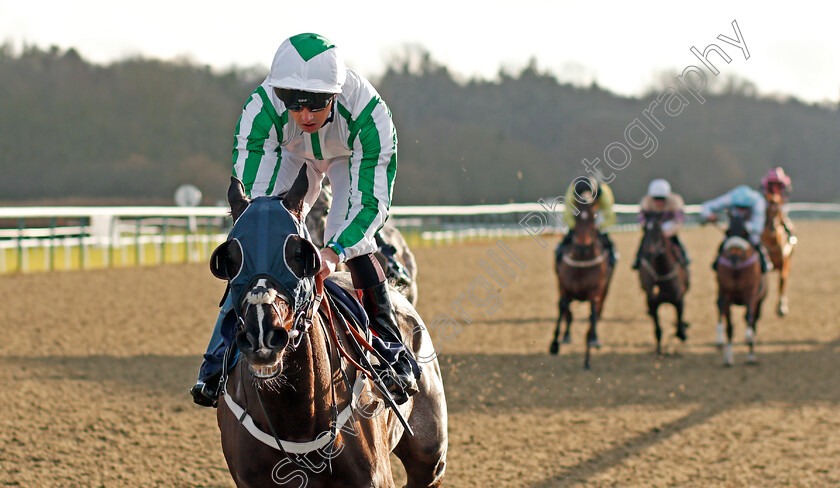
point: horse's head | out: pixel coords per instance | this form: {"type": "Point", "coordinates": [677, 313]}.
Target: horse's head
{"type": "Point", "coordinates": [774, 203]}
{"type": "Point", "coordinates": [586, 229]}
{"type": "Point", "coordinates": [270, 265]}
{"type": "Point", "coordinates": [653, 239]}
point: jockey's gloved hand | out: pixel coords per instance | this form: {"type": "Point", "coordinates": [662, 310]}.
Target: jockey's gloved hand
{"type": "Point", "coordinates": [329, 260]}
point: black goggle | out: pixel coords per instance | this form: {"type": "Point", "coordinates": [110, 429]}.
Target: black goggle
{"type": "Point", "coordinates": [297, 100]}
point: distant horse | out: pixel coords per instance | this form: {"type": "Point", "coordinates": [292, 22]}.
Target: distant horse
{"type": "Point", "coordinates": [299, 408]}
{"type": "Point", "coordinates": [740, 282]}
{"type": "Point", "coordinates": [393, 254]}
{"type": "Point", "coordinates": [663, 277]}
{"type": "Point", "coordinates": [779, 247]}
{"type": "Point", "coordinates": [583, 274]}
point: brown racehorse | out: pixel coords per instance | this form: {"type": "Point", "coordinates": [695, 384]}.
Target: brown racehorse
{"type": "Point", "coordinates": [663, 277]}
{"type": "Point", "coordinates": [740, 282]}
{"type": "Point", "coordinates": [583, 274]}
{"type": "Point", "coordinates": [299, 408]}
{"type": "Point", "coordinates": [779, 247]}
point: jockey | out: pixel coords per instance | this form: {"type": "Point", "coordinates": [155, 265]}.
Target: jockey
{"type": "Point", "coordinates": [747, 202]}
{"type": "Point", "coordinates": [605, 214]}
{"type": "Point", "coordinates": [776, 182]}
{"type": "Point", "coordinates": [661, 200]}
{"type": "Point", "coordinates": [312, 110]}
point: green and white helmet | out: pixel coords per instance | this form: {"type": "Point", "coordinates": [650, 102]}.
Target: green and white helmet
{"type": "Point", "coordinates": [308, 62]}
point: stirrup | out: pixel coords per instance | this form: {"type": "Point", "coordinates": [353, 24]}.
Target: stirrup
{"type": "Point", "coordinates": [204, 395]}
{"type": "Point", "coordinates": [403, 385]}
{"type": "Point", "coordinates": [205, 392]}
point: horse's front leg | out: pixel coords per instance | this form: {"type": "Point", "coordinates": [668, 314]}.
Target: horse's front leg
{"type": "Point", "coordinates": [653, 311]}
{"type": "Point", "coordinates": [681, 325]}
{"type": "Point", "coordinates": [725, 311]}
{"type": "Point", "coordinates": [720, 339]}
{"type": "Point", "coordinates": [595, 314]}
{"type": "Point", "coordinates": [782, 308]}
{"type": "Point", "coordinates": [592, 334]}
{"type": "Point", "coordinates": [753, 314]}
{"type": "Point", "coordinates": [564, 313]}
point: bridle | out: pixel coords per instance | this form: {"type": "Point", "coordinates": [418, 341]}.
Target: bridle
{"type": "Point", "coordinates": [301, 323]}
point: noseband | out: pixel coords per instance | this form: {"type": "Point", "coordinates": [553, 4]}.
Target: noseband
{"type": "Point", "coordinates": [301, 324]}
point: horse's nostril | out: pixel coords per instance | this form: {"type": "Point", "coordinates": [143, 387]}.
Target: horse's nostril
{"type": "Point", "coordinates": [277, 338]}
{"type": "Point", "coordinates": [245, 341]}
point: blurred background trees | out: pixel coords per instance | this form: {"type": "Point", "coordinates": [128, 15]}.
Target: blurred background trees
{"type": "Point", "coordinates": [134, 130]}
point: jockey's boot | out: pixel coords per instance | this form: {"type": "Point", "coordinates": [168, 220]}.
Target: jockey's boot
{"type": "Point", "coordinates": [380, 311]}
{"type": "Point", "coordinates": [205, 392]}
{"type": "Point", "coordinates": [763, 258]}
{"type": "Point", "coordinates": [612, 255]}
{"type": "Point", "coordinates": [638, 261]}
{"type": "Point", "coordinates": [717, 256]}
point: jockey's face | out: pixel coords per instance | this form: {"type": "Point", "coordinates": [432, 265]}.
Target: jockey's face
{"type": "Point", "coordinates": [311, 121]}
{"type": "Point", "coordinates": [774, 188]}
{"type": "Point", "coordinates": [659, 204]}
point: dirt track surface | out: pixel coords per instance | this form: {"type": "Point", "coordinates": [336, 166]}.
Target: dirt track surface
{"type": "Point", "coordinates": [96, 367]}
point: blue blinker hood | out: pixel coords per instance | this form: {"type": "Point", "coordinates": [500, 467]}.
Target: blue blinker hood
{"type": "Point", "coordinates": [274, 245]}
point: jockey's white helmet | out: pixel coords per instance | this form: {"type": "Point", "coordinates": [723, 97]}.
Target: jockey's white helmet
{"type": "Point", "coordinates": [659, 188]}
{"type": "Point", "coordinates": [308, 62]}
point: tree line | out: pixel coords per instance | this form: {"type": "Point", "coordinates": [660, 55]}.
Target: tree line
{"type": "Point", "coordinates": [134, 130]}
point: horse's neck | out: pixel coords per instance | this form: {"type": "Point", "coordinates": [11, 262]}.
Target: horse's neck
{"type": "Point", "coordinates": [593, 249]}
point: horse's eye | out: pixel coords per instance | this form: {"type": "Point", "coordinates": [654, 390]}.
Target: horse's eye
{"type": "Point", "coordinates": [302, 258]}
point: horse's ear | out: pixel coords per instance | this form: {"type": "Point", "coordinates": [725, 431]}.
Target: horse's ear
{"type": "Point", "coordinates": [236, 198]}
{"type": "Point", "coordinates": [293, 200]}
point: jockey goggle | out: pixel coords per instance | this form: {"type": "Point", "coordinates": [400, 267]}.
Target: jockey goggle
{"type": "Point", "coordinates": [297, 100]}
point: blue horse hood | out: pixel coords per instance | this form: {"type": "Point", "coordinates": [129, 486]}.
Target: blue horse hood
{"type": "Point", "coordinates": [269, 237]}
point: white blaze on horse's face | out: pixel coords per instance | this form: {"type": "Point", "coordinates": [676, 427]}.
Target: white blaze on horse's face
{"type": "Point", "coordinates": [265, 296]}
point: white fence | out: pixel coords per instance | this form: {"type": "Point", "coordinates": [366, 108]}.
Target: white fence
{"type": "Point", "coordinates": [47, 238]}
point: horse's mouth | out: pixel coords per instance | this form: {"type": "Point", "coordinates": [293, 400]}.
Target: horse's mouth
{"type": "Point", "coordinates": [264, 372]}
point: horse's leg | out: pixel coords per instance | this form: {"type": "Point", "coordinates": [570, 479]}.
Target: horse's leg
{"type": "Point", "coordinates": [726, 312]}
{"type": "Point", "coordinates": [681, 326]}
{"type": "Point", "coordinates": [592, 334]}
{"type": "Point", "coordinates": [595, 314]}
{"type": "Point", "coordinates": [653, 311]}
{"type": "Point", "coordinates": [566, 312]}
{"type": "Point", "coordinates": [782, 308]}
{"type": "Point", "coordinates": [424, 456]}
{"type": "Point", "coordinates": [754, 314]}
{"type": "Point", "coordinates": [563, 311]}
{"type": "Point", "coordinates": [720, 340]}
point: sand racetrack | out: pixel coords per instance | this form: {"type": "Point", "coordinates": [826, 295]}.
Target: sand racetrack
{"type": "Point", "coordinates": [96, 367]}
